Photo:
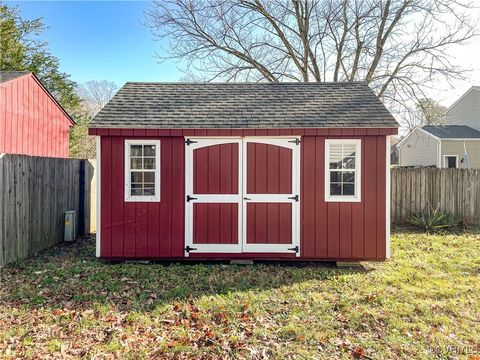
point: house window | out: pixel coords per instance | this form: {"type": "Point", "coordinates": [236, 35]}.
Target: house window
{"type": "Point", "coordinates": [142, 170]}
{"type": "Point", "coordinates": [342, 170]}
{"type": "Point", "coordinates": [450, 161]}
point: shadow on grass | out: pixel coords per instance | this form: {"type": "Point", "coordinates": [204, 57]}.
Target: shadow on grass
{"type": "Point", "coordinates": [70, 276]}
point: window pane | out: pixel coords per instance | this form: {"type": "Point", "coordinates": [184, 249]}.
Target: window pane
{"type": "Point", "coordinates": [349, 162]}
{"type": "Point", "coordinates": [149, 189]}
{"type": "Point", "coordinates": [348, 177]}
{"type": "Point", "coordinates": [335, 176]}
{"type": "Point", "coordinates": [137, 177]}
{"type": "Point", "coordinates": [136, 189]}
{"type": "Point", "coordinates": [149, 150]}
{"type": "Point", "coordinates": [349, 189]}
{"type": "Point", "coordinates": [335, 159]}
{"type": "Point", "coordinates": [149, 163]}
{"type": "Point", "coordinates": [335, 189]}
{"type": "Point", "coordinates": [149, 177]}
{"type": "Point", "coordinates": [136, 163]}
{"type": "Point", "coordinates": [135, 150]}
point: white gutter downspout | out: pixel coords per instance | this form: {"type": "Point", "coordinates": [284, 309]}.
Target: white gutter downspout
{"type": "Point", "coordinates": [466, 154]}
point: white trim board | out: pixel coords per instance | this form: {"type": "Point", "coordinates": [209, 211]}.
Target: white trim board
{"type": "Point", "coordinates": [98, 169]}
{"type": "Point", "coordinates": [388, 198]}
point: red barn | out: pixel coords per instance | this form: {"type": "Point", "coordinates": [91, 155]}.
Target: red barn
{"type": "Point", "coordinates": [294, 171]}
{"type": "Point", "coordinates": [32, 122]}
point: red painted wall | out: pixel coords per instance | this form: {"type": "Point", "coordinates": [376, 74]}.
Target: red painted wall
{"type": "Point", "coordinates": [31, 122]}
{"type": "Point", "coordinates": [329, 231]}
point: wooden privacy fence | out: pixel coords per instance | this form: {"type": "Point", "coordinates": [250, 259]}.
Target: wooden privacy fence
{"type": "Point", "coordinates": [456, 191]}
{"type": "Point", "coordinates": [35, 192]}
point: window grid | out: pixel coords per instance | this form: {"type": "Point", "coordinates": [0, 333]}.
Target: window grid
{"type": "Point", "coordinates": [142, 170]}
{"type": "Point", "coordinates": [342, 170]}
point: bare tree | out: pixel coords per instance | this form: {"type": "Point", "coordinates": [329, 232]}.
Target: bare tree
{"type": "Point", "coordinates": [94, 95]}
{"type": "Point", "coordinates": [397, 46]}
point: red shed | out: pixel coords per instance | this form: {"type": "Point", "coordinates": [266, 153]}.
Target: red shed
{"type": "Point", "coordinates": [295, 171]}
{"type": "Point", "coordinates": [32, 122]}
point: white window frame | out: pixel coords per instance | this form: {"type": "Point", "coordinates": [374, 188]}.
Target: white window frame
{"type": "Point", "coordinates": [141, 198]}
{"type": "Point", "coordinates": [358, 171]}
{"type": "Point", "coordinates": [445, 163]}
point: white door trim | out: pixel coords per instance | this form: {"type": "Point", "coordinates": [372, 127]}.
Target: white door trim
{"type": "Point", "coordinates": [210, 198]}
{"type": "Point", "coordinates": [289, 143]}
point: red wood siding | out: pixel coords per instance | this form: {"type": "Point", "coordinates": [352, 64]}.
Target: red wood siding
{"type": "Point", "coordinates": [215, 223]}
{"type": "Point", "coordinates": [215, 169]}
{"type": "Point", "coordinates": [329, 231]}
{"type": "Point", "coordinates": [269, 169]}
{"type": "Point", "coordinates": [31, 122]}
{"type": "Point", "coordinates": [269, 223]}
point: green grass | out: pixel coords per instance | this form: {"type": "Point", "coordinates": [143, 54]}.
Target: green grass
{"type": "Point", "coordinates": [423, 303]}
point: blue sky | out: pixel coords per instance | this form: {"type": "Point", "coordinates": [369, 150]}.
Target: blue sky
{"type": "Point", "coordinates": [97, 40]}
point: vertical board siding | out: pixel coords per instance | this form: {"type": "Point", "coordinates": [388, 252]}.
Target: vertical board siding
{"type": "Point", "coordinates": [456, 191]}
{"type": "Point", "coordinates": [215, 169]}
{"type": "Point", "coordinates": [35, 192]}
{"type": "Point", "coordinates": [269, 169]}
{"type": "Point", "coordinates": [30, 121]}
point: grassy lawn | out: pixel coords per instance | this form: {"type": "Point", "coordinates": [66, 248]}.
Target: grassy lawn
{"type": "Point", "coordinates": [424, 303]}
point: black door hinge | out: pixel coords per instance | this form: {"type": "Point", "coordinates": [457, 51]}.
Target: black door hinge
{"type": "Point", "coordinates": [189, 141]}
{"type": "Point", "coordinates": [188, 249]}
{"type": "Point", "coordinates": [190, 198]}
{"type": "Point", "coordinates": [294, 198]}
{"type": "Point", "coordinates": [294, 249]}
{"type": "Point", "coordinates": [296, 141]}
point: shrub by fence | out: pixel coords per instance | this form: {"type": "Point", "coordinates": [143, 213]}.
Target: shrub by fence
{"type": "Point", "coordinates": [35, 192]}
{"type": "Point", "coordinates": [456, 191]}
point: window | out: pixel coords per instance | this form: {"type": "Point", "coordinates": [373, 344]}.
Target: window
{"type": "Point", "coordinates": [450, 161]}
{"type": "Point", "coordinates": [142, 170]}
{"type": "Point", "coordinates": [342, 170]}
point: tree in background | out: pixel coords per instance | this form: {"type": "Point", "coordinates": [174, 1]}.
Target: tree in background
{"type": "Point", "coordinates": [94, 95]}
{"type": "Point", "coordinates": [426, 112]}
{"type": "Point", "coordinates": [431, 112]}
{"type": "Point", "coordinates": [398, 47]}
{"type": "Point", "coordinates": [21, 50]}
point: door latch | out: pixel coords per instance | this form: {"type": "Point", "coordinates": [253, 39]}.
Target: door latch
{"type": "Point", "coordinates": [294, 198]}
{"type": "Point", "coordinates": [188, 248]}
{"type": "Point", "coordinates": [190, 198]}
{"type": "Point", "coordinates": [294, 249]}
{"type": "Point", "coordinates": [296, 141]}
{"type": "Point", "coordinates": [245, 198]}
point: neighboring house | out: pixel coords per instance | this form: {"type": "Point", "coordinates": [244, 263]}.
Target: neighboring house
{"type": "Point", "coordinates": [454, 145]}
{"type": "Point", "coordinates": [32, 122]}
{"type": "Point", "coordinates": [244, 171]}
{"type": "Point", "coordinates": [466, 110]}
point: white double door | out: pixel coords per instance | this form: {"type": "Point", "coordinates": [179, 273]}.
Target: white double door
{"type": "Point", "coordinates": [242, 195]}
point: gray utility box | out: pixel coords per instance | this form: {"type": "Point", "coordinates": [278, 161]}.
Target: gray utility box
{"type": "Point", "coordinates": [70, 222]}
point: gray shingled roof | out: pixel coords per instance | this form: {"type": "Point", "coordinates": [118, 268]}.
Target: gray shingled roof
{"type": "Point", "coordinates": [452, 131]}
{"type": "Point", "coordinates": [10, 75]}
{"type": "Point", "coordinates": [243, 105]}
